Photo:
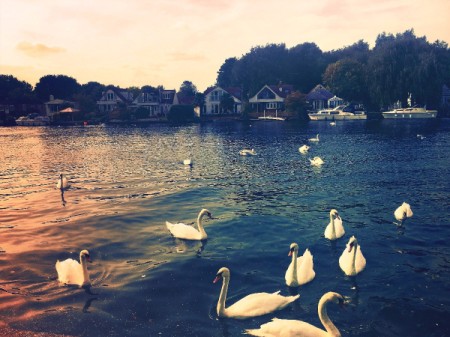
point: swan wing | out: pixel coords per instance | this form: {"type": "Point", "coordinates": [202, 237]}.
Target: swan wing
{"type": "Point", "coordinates": [339, 228]}
{"type": "Point", "coordinates": [287, 328]}
{"type": "Point", "coordinates": [69, 272]}
{"type": "Point", "coordinates": [345, 262]}
{"type": "Point", "coordinates": [183, 231]}
{"type": "Point", "coordinates": [360, 261]}
{"type": "Point", "coordinates": [305, 268]}
{"type": "Point", "coordinates": [400, 213]}
{"type": "Point", "coordinates": [258, 304]}
{"type": "Point", "coordinates": [329, 232]}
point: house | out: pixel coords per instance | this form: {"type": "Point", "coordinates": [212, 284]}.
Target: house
{"type": "Point", "coordinates": [167, 98]}
{"type": "Point", "coordinates": [54, 107]}
{"type": "Point", "coordinates": [112, 98]}
{"type": "Point", "coordinates": [213, 97]}
{"type": "Point", "coordinates": [271, 98]}
{"type": "Point", "coordinates": [148, 99]}
{"type": "Point", "coordinates": [318, 97]}
{"type": "Point", "coordinates": [334, 102]}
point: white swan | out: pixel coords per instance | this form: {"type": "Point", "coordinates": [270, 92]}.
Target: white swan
{"type": "Point", "coordinates": [301, 269]}
{"type": "Point", "coordinates": [252, 305]}
{"type": "Point", "coordinates": [246, 152]}
{"type": "Point", "coordinates": [315, 139]}
{"type": "Point", "coordinates": [294, 328]}
{"type": "Point", "coordinates": [71, 272]}
{"type": "Point", "coordinates": [303, 149]}
{"type": "Point", "coordinates": [334, 230]}
{"type": "Point", "coordinates": [403, 212]}
{"type": "Point", "coordinates": [333, 123]}
{"type": "Point", "coordinates": [183, 231]}
{"type": "Point", "coordinates": [62, 183]}
{"type": "Point", "coordinates": [187, 162]}
{"type": "Point", "coordinates": [316, 161]}
{"type": "Point", "coordinates": [352, 260]}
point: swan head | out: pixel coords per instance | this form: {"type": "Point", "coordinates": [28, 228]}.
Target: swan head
{"type": "Point", "coordinates": [84, 255]}
{"type": "Point", "coordinates": [334, 297]}
{"type": "Point", "coordinates": [335, 213]}
{"type": "Point", "coordinates": [204, 212]}
{"type": "Point", "coordinates": [60, 176]}
{"type": "Point", "coordinates": [352, 243]}
{"type": "Point", "coordinates": [293, 247]}
{"type": "Point", "coordinates": [223, 272]}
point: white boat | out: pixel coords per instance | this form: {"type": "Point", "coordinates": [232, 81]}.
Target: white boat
{"type": "Point", "coordinates": [271, 118]}
{"type": "Point", "coordinates": [411, 112]}
{"type": "Point", "coordinates": [337, 113]}
{"type": "Point", "coordinates": [31, 120]}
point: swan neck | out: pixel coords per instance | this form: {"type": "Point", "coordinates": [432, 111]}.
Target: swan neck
{"type": "Point", "coordinates": [294, 266]}
{"type": "Point", "coordinates": [86, 279]}
{"type": "Point", "coordinates": [326, 322]}
{"type": "Point", "coordinates": [200, 226]}
{"type": "Point", "coordinates": [333, 229]}
{"type": "Point", "coordinates": [223, 297]}
{"type": "Point", "coordinates": [355, 248]}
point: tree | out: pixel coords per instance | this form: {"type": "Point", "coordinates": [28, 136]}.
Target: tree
{"type": "Point", "coordinates": [225, 75]}
{"type": "Point", "coordinates": [181, 114]}
{"type": "Point", "coordinates": [59, 86]}
{"type": "Point", "coordinates": [188, 89]}
{"type": "Point", "coordinates": [13, 91]}
{"type": "Point", "coordinates": [296, 102]}
{"type": "Point", "coordinates": [227, 103]}
{"type": "Point", "coordinates": [88, 96]}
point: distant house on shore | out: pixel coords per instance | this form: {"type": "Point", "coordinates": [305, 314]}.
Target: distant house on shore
{"type": "Point", "coordinates": [148, 99]}
{"type": "Point", "coordinates": [112, 98]}
{"type": "Point", "coordinates": [54, 107]}
{"type": "Point", "coordinates": [213, 98]}
{"type": "Point", "coordinates": [271, 98]}
{"type": "Point", "coordinates": [318, 97]}
{"type": "Point", "coordinates": [167, 98]}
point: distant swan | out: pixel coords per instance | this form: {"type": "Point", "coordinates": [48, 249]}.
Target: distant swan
{"type": "Point", "coordinates": [333, 123]}
{"type": "Point", "coordinates": [352, 260]}
{"type": "Point", "coordinates": [252, 305]}
{"type": "Point", "coordinates": [183, 231]}
{"type": "Point", "coordinates": [315, 139]}
{"type": "Point", "coordinates": [403, 212]}
{"type": "Point", "coordinates": [316, 161]}
{"type": "Point", "coordinates": [246, 152]}
{"type": "Point", "coordinates": [71, 272]}
{"type": "Point", "coordinates": [295, 328]}
{"type": "Point", "coordinates": [421, 137]}
{"type": "Point", "coordinates": [301, 269]}
{"type": "Point", "coordinates": [334, 230]}
{"type": "Point", "coordinates": [62, 183]}
{"type": "Point", "coordinates": [303, 149]}
{"type": "Point", "coordinates": [187, 162]}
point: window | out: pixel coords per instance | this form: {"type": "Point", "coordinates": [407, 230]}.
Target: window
{"type": "Point", "coordinates": [110, 96]}
{"type": "Point", "coordinates": [272, 105]}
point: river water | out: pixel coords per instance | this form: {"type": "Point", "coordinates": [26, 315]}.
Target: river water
{"type": "Point", "coordinates": [127, 181]}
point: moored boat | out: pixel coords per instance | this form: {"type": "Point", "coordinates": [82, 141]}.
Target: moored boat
{"type": "Point", "coordinates": [338, 113]}
{"type": "Point", "coordinates": [410, 112]}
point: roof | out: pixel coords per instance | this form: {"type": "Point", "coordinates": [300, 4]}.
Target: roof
{"type": "Point", "coordinates": [282, 90]}
{"type": "Point", "coordinates": [233, 91]}
{"type": "Point", "coordinates": [319, 93]}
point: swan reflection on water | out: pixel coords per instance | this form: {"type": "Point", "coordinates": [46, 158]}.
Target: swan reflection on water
{"type": "Point", "coordinates": [63, 201]}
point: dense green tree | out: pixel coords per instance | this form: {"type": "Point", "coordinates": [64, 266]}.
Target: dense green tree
{"type": "Point", "coordinates": [227, 103]}
{"type": "Point", "coordinates": [225, 75]}
{"type": "Point", "coordinates": [88, 96]}
{"type": "Point", "coordinates": [13, 91]}
{"type": "Point", "coordinates": [296, 103]}
{"type": "Point", "coordinates": [59, 86]}
{"type": "Point", "coordinates": [181, 114]}
{"type": "Point", "coordinates": [188, 89]}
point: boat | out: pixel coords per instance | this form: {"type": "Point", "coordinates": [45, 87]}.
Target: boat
{"type": "Point", "coordinates": [33, 120]}
{"type": "Point", "coordinates": [341, 112]}
{"type": "Point", "coordinates": [271, 118]}
{"type": "Point", "coordinates": [410, 112]}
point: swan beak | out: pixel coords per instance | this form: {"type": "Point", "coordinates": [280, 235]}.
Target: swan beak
{"type": "Point", "coordinates": [290, 253]}
{"type": "Point", "coordinates": [350, 247]}
{"type": "Point", "coordinates": [218, 277]}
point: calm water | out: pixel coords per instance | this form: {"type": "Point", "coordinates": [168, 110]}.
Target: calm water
{"type": "Point", "coordinates": [126, 182]}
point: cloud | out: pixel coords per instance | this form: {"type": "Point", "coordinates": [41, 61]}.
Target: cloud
{"type": "Point", "coordinates": [38, 50]}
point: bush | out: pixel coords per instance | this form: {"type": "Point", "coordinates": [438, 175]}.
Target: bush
{"type": "Point", "coordinates": [181, 114]}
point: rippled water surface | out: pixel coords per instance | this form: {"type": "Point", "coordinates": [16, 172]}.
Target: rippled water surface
{"type": "Point", "coordinates": [127, 181]}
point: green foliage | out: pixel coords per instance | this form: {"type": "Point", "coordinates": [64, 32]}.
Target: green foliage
{"type": "Point", "coordinates": [141, 113]}
{"type": "Point", "coordinates": [181, 114]}
{"type": "Point", "coordinates": [227, 103]}
{"type": "Point", "coordinates": [60, 86]}
{"type": "Point", "coordinates": [296, 102]}
{"type": "Point", "coordinates": [188, 89]}
{"type": "Point", "coordinates": [13, 91]}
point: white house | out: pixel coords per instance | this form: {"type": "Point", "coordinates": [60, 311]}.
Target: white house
{"type": "Point", "coordinates": [271, 98]}
{"type": "Point", "coordinates": [112, 97]}
{"type": "Point", "coordinates": [213, 96]}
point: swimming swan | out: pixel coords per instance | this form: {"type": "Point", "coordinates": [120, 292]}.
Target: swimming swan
{"type": "Point", "coordinates": [315, 139]}
{"type": "Point", "coordinates": [301, 269]}
{"type": "Point", "coordinates": [187, 162]}
{"type": "Point", "coordinates": [252, 305]}
{"type": "Point", "coordinates": [183, 231]}
{"type": "Point", "coordinates": [246, 152]}
{"type": "Point", "coordinates": [333, 123]}
{"type": "Point", "coordinates": [62, 183]}
{"type": "Point", "coordinates": [334, 230]}
{"type": "Point", "coordinates": [296, 328]}
{"type": "Point", "coordinates": [403, 212]}
{"type": "Point", "coordinates": [303, 149]}
{"type": "Point", "coordinates": [316, 161]}
{"type": "Point", "coordinates": [352, 260]}
{"type": "Point", "coordinates": [71, 272]}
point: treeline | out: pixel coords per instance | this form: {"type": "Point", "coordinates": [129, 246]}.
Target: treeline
{"type": "Point", "coordinates": [378, 77]}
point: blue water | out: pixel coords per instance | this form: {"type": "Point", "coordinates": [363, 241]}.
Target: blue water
{"type": "Point", "coordinates": [127, 181]}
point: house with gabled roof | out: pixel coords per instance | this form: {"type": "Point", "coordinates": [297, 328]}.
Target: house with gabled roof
{"type": "Point", "coordinates": [167, 98]}
{"type": "Point", "coordinates": [318, 97]}
{"type": "Point", "coordinates": [148, 98]}
{"type": "Point", "coordinates": [112, 97]}
{"type": "Point", "coordinates": [271, 98]}
{"type": "Point", "coordinates": [213, 96]}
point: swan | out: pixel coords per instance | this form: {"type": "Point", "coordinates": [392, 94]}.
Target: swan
{"type": "Point", "coordinates": [187, 162]}
{"type": "Point", "coordinates": [316, 161]}
{"type": "Point", "coordinates": [183, 231]}
{"type": "Point", "coordinates": [295, 328]}
{"type": "Point", "coordinates": [301, 269]}
{"type": "Point", "coordinates": [62, 183]}
{"type": "Point", "coordinates": [315, 139]}
{"type": "Point", "coordinates": [252, 305]}
{"type": "Point", "coordinates": [421, 137]}
{"type": "Point", "coordinates": [352, 260]}
{"type": "Point", "coordinates": [246, 152]}
{"type": "Point", "coordinates": [403, 212]}
{"type": "Point", "coordinates": [333, 123]}
{"type": "Point", "coordinates": [334, 230]}
{"type": "Point", "coordinates": [303, 149]}
{"type": "Point", "coordinates": [71, 272]}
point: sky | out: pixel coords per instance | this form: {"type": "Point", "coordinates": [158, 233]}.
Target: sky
{"type": "Point", "coordinates": [166, 42]}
